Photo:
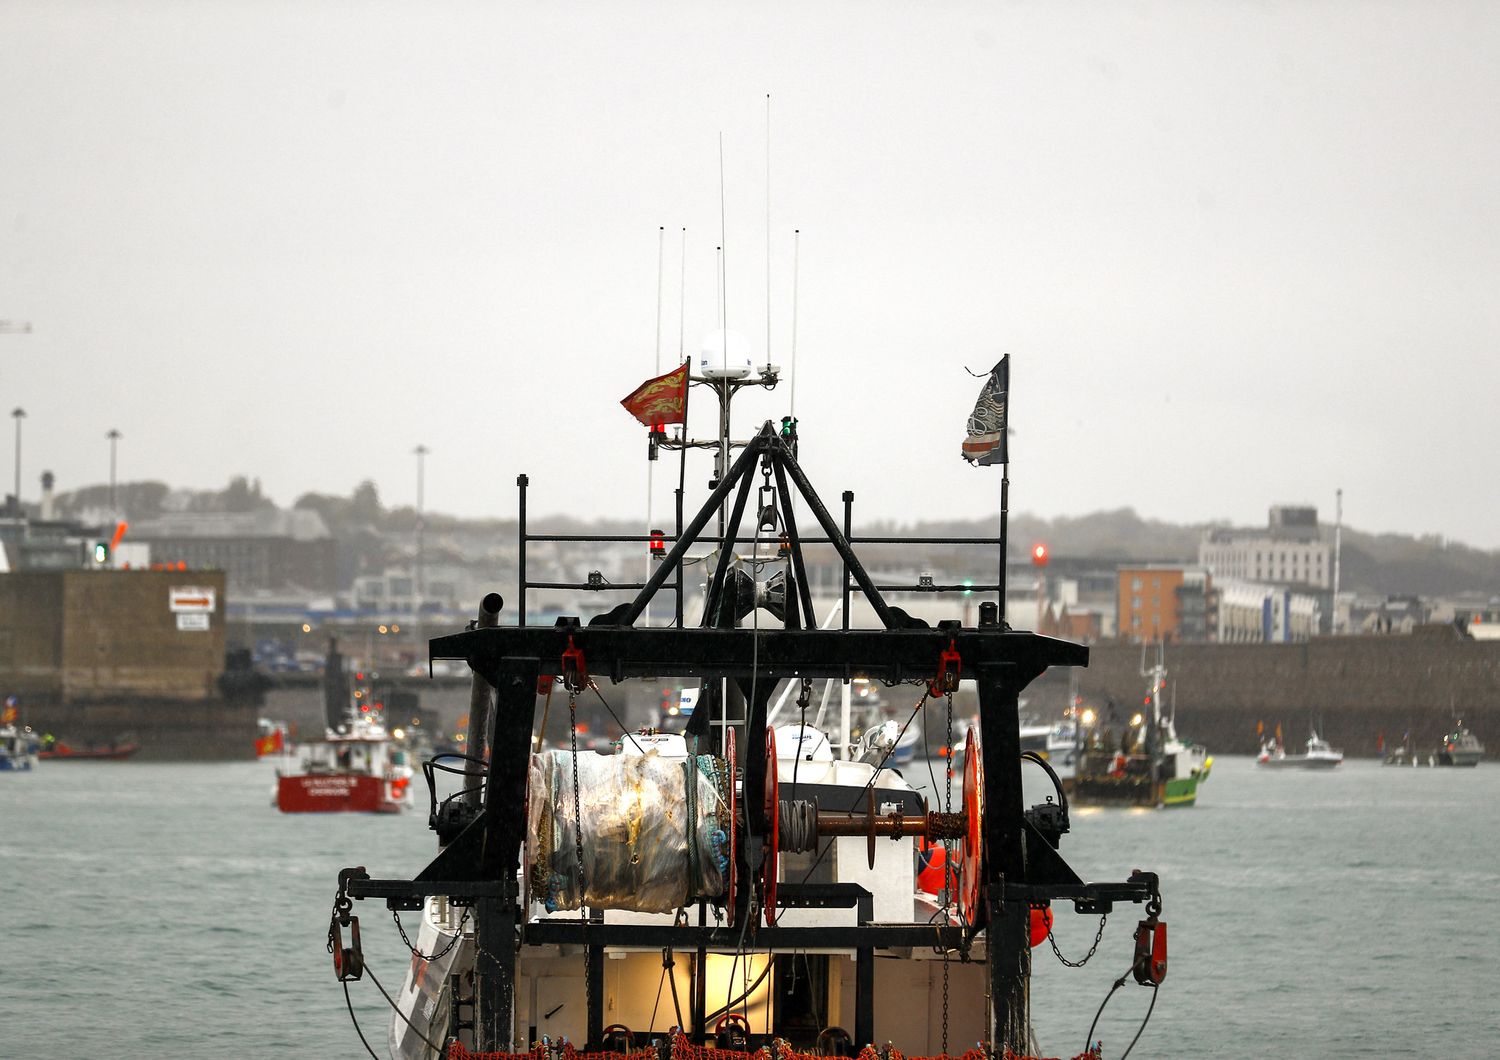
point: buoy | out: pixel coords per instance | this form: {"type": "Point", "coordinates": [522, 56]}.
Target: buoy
{"type": "Point", "coordinates": [1041, 925]}
{"type": "Point", "coordinates": [932, 863]}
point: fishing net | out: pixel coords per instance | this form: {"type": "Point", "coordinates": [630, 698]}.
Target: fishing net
{"type": "Point", "coordinates": [654, 830]}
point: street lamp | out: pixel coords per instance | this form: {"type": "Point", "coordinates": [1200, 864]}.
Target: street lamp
{"type": "Point", "coordinates": [19, 414]}
{"type": "Point", "coordinates": [114, 437]}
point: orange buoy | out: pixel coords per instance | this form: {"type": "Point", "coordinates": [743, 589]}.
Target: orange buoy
{"type": "Point", "coordinates": [1041, 925]}
{"type": "Point", "coordinates": [932, 867]}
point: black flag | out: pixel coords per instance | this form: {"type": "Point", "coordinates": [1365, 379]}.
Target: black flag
{"type": "Point", "coordinates": [986, 441]}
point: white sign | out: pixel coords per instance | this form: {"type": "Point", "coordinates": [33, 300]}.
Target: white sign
{"type": "Point", "coordinates": [190, 598]}
{"type": "Point", "coordinates": [193, 621]}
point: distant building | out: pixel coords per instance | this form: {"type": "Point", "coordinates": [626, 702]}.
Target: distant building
{"type": "Point", "coordinates": [1163, 602]}
{"type": "Point", "coordinates": [1390, 614]}
{"type": "Point", "coordinates": [269, 549]}
{"type": "Point", "coordinates": [1290, 551]}
{"type": "Point", "coordinates": [1256, 613]}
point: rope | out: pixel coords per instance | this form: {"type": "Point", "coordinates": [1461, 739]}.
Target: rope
{"type": "Point", "coordinates": [799, 825]}
{"type": "Point", "coordinates": [352, 1019]}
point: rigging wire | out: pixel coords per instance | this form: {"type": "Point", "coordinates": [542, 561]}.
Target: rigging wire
{"type": "Point", "coordinates": [627, 733]}
{"type": "Point", "coordinates": [396, 1009]}
{"type": "Point", "coordinates": [355, 1020]}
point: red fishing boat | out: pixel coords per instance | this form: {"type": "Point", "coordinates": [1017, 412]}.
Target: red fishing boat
{"type": "Point", "coordinates": [358, 768]}
{"type": "Point", "coordinates": [62, 751]}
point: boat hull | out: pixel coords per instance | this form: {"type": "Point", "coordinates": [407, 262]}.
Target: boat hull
{"type": "Point", "coordinates": [1298, 762]}
{"type": "Point", "coordinates": [64, 753]}
{"type": "Point", "coordinates": [1180, 791]}
{"type": "Point", "coordinates": [1458, 758]}
{"type": "Point", "coordinates": [338, 793]}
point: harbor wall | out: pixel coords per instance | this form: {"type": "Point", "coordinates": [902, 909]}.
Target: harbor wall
{"type": "Point", "coordinates": [1354, 687]}
{"type": "Point", "coordinates": [100, 657]}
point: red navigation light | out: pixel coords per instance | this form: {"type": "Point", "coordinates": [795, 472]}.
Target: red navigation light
{"type": "Point", "coordinates": [658, 544]}
{"type": "Point", "coordinates": [1039, 554]}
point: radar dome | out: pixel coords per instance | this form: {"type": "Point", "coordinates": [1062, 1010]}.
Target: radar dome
{"type": "Point", "coordinates": [726, 355]}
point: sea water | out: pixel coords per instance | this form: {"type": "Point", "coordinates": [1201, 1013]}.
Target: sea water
{"type": "Point", "coordinates": [167, 910]}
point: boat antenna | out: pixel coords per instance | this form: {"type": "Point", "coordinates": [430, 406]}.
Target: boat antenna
{"type": "Point", "coordinates": [796, 247]}
{"type": "Point", "coordinates": [723, 256]}
{"type": "Point", "coordinates": [768, 228]}
{"type": "Point", "coordinates": [682, 306]}
{"type": "Point", "coordinates": [661, 248]}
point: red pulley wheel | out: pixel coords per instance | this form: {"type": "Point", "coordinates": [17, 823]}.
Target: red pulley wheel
{"type": "Point", "coordinates": [771, 866]}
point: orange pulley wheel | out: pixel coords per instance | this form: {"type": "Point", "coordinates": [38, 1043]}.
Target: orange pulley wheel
{"type": "Point", "coordinates": [970, 876]}
{"type": "Point", "coordinates": [771, 865]}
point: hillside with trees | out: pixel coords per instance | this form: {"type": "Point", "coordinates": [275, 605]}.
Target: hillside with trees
{"type": "Point", "coordinates": [1383, 564]}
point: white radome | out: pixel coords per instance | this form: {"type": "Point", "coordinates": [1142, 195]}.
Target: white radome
{"type": "Point", "coordinates": [726, 355]}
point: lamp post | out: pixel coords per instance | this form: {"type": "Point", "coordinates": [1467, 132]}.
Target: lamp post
{"type": "Point", "coordinates": [114, 437]}
{"type": "Point", "coordinates": [19, 414]}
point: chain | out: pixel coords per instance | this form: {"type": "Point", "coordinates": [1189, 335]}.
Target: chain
{"type": "Point", "coordinates": [583, 910]}
{"type": "Point", "coordinates": [396, 916]}
{"type": "Point", "coordinates": [1079, 963]}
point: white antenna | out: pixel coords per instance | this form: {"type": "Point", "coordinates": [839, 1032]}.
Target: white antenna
{"type": "Point", "coordinates": [723, 256]}
{"type": "Point", "coordinates": [661, 249]}
{"type": "Point", "coordinates": [682, 308]}
{"type": "Point", "coordinates": [796, 250]}
{"type": "Point", "coordinates": [768, 228]}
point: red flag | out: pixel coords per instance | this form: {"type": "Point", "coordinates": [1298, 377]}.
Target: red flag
{"type": "Point", "coordinates": [662, 400]}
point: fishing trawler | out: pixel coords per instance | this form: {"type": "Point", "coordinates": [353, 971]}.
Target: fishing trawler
{"type": "Point", "coordinates": [736, 884]}
{"type": "Point", "coordinates": [1145, 763]}
{"type": "Point", "coordinates": [359, 766]}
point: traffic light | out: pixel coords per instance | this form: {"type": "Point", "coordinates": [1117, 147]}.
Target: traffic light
{"type": "Point", "coordinates": [101, 553]}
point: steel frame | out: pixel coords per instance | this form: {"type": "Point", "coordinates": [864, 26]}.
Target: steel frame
{"type": "Point", "coordinates": [1019, 868]}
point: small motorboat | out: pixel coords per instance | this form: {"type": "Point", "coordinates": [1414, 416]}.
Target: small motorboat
{"type": "Point", "coordinates": [1319, 755]}
{"type": "Point", "coordinates": [1460, 748]}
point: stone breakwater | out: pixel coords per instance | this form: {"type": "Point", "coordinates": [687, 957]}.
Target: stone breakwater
{"type": "Point", "coordinates": [1354, 688]}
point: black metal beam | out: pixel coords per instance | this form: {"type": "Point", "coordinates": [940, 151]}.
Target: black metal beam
{"type": "Point", "coordinates": [1007, 923]}
{"type": "Point", "coordinates": [628, 613]}
{"type": "Point", "coordinates": [888, 655]}
{"type": "Point", "coordinates": [657, 936]}
{"type": "Point", "coordinates": [803, 601]}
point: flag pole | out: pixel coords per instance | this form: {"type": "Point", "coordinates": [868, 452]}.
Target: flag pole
{"type": "Point", "coordinates": [1004, 516]}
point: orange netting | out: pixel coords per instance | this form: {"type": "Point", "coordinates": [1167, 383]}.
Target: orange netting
{"type": "Point", "coordinates": [456, 1051]}
{"type": "Point", "coordinates": [682, 1049]}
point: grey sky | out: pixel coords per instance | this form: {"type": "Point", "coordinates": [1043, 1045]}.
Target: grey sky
{"type": "Point", "coordinates": [1242, 254]}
